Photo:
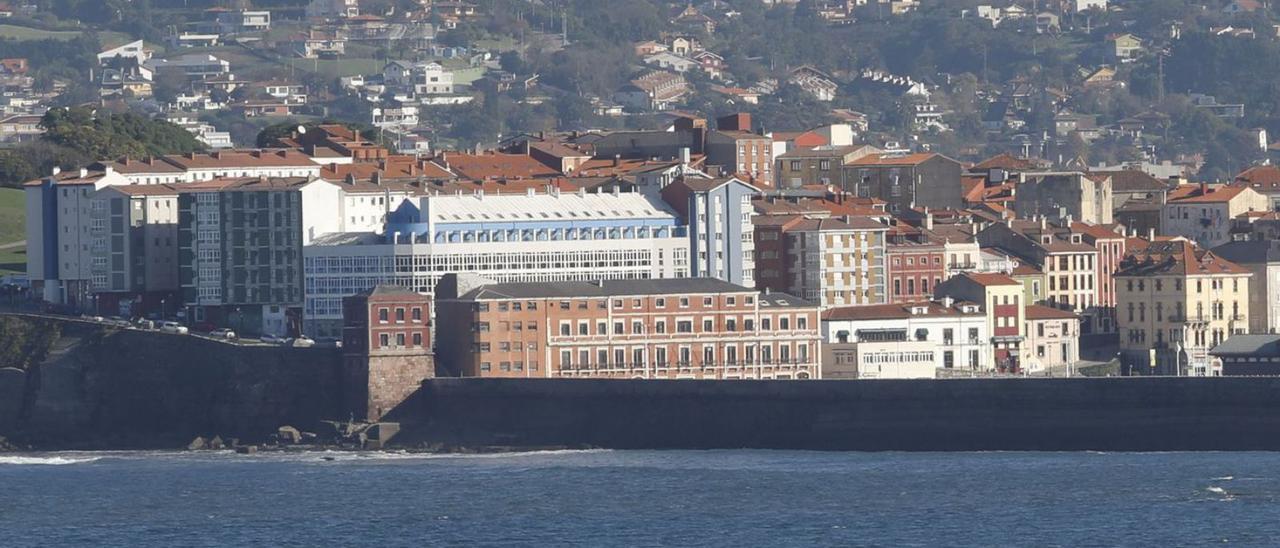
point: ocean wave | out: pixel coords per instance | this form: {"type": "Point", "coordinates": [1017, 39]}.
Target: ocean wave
{"type": "Point", "coordinates": [44, 461]}
{"type": "Point", "coordinates": [368, 456]}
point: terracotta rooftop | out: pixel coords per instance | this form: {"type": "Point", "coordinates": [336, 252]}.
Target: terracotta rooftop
{"type": "Point", "coordinates": [1041, 312]}
{"type": "Point", "coordinates": [495, 165]}
{"type": "Point", "coordinates": [1177, 257]}
{"type": "Point", "coordinates": [990, 278]}
{"type": "Point", "coordinates": [897, 311]}
{"type": "Point", "coordinates": [881, 159]}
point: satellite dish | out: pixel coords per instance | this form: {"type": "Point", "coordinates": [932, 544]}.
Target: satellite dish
{"type": "Point", "coordinates": [302, 130]}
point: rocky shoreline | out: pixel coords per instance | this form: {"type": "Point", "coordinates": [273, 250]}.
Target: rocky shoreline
{"type": "Point", "coordinates": [331, 436]}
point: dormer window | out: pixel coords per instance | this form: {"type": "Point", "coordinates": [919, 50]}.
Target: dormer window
{"type": "Point", "coordinates": [1046, 240]}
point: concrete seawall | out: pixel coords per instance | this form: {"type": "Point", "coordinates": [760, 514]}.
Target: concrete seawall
{"type": "Point", "coordinates": [101, 387]}
{"type": "Point", "coordinates": [1141, 414]}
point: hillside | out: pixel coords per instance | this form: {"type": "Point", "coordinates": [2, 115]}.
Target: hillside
{"type": "Point", "coordinates": [12, 222]}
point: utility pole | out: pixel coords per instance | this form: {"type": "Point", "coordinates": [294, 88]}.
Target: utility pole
{"type": "Point", "coordinates": [564, 27]}
{"type": "Point", "coordinates": [1160, 76]}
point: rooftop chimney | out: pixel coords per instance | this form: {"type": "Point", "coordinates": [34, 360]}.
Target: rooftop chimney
{"type": "Point", "coordinates": [1151, 234]}
{"type": "Point", "coordinates": [684, 156]}
{"type": "Point", "coordinates": [1204, 188]}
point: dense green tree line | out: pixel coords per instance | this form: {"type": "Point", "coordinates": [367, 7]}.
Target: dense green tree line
{"type": "Point", "coordinates": [75, 137]}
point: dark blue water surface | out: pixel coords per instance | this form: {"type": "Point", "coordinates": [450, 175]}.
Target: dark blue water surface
{"type": "Point", "coordinates": [640, 498]}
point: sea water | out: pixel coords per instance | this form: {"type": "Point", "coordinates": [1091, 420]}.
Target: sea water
{"type": "Point", "coordinates": [639, 498]}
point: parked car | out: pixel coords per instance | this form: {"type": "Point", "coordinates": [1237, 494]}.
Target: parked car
{"type": "Point", "coordinates": [329, 341]}
{"type": "Point", "coordinates": [173, 327]}
{"type": "Point", "coordinates": [272, 339]}
{"type": "Point", "coordinates": [145, 324]}
{"type": "Point", "coordinates": [303, 341]}
{"type": "Point", "coordinates": [223, 333]}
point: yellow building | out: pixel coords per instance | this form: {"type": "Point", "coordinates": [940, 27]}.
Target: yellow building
{"type": "Point", "coordinates": [1175, 302]}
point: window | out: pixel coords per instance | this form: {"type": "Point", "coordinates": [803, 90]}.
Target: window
{"type": "Point", "coordinates": [566, 358]}
{"type": "Point", "coordinates": [730, 324]}
{"type": "Point", "coordinates": [618, 328]}
{"type": "Point", "coordinates": [660, 302]}
{"type": "Point", "coordinates": [565, 330]}
{"type": "Point", "coordinates": [583, 329]}
{"type": "Point", "coordinates": [660, 326]}
{"type": "Point", "coordinates": [802, 322]}
{"type": "Point", "coordinates": [384, 340]}
{"type": "Point", "coordinates": [684, 302]}
{"type": "Point", "coordinates": [417, 314]}
{"type": "Point", "coordinates": [684, 326]}
{"type": "Point", "coordinates": [602, 328]}
{"type": "Point", "coordinates": [400, 315]}
{"type": "Point", "coordinates": [399, 339]}
{"type": "Point", "coordinates": [382, 315]}
{"type": "Point", "coordinates": [784, 323]}
{"type": "Point", "coordinates": [706, 301]}
{"type": "Point", "coordinates": [708, 326]}
{"type": "Point", "coordinates": [708, 356]}
{"type": "Point", "coordinates": [637, 328]}
{"type": "Point", "coordinates": [417, 339]}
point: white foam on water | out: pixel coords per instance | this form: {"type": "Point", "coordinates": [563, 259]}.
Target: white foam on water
{"type": "Point", "coordinates": [1224, 478]}
{"type": "Point", "coordinates": [44, 461]}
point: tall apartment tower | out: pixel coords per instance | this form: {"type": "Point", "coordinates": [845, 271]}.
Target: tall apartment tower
{"type": "Point", "coordinates": [386, 340]}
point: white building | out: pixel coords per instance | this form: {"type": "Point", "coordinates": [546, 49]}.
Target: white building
{"type": "Point", "coordinates": [244, 21]}
{"type": "Point", "coordinates": [508, 238]}
{"type": "Point", "coordinates": [1053, 340]}
{"type": "Point", "coordinates": [59, 212]}
{"type": "Point", "coordinates": [432, 79]}
{"type": "Point", "coordinates": [1204, 214]}
{"type": "Point", "coordinates": [395, 117]}
{"type": "Point", "coordinates": [133, 50]}
{"type": "Point", "coordinates": [905, 340]}
{"type": "Point", "coordinates": [333, 8]}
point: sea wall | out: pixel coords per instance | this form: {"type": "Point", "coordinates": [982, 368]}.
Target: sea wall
{"type": "Point", "coordinates": [103, 387]}
{"type": "Point", "coordinates": [965, 414]}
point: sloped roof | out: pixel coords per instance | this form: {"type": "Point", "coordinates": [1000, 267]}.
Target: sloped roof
{"type": "Point", "coordinates": [1176, 257]}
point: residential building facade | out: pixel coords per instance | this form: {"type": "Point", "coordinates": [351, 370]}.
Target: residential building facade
{"type": "Point", "coordinates": [240, 253]}
{"type": "Point", "coordinates": [1175, 302]}
{"type": "Point", "coordinates": [691, 328]}
{"type": "Point", "coordinates": [905, 340]}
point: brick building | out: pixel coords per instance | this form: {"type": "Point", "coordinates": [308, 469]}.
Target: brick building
{"type": "Point", "coordinates": [914, 264]}
{"type": "Point", "coordinates": [386, 341]}
{"type": "Point", "coordinates": [692, 328]}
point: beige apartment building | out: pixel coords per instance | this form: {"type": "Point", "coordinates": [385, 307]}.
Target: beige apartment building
{"type": "Point", "coordinates": [1175, 302]}
{"type": "Point", "coordinates": [834, 262]}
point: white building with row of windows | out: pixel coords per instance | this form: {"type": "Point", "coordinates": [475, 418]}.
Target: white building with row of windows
{"type": "Point", "coordinates": [507, 238]}
{"type": "Point", "coordinates": [905, 340]}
